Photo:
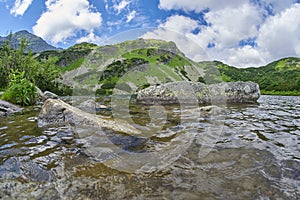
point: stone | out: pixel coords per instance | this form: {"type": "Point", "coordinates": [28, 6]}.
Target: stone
{"type": "Point", "coordinates": [183, 92]}
{"type": "Point", "coordinates": [56, 111]}
{"type": "Point", "coordinates": [91, 106]}
{"type": "Point", "coordinates": [7, 108]}
{"type": "Point", "coordinates": [49, 95]}
{"type": "Point", "coordinates": [40, 92]}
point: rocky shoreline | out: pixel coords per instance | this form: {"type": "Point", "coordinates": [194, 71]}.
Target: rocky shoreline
{"type": "Point", "coordinates": [55, 111]}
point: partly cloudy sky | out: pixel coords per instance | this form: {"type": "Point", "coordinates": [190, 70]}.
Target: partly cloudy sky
{"type": "Point", "coordinates": [241, 33]}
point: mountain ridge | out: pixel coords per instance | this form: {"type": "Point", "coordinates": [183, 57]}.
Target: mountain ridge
{"type": "Point", "coordinates": [278, 77]}
{"type": "Point", "coordinates": [35, 43]}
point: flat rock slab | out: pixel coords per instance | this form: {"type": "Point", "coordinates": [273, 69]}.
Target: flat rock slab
{"type": "Point", "coordinates": [56, 111]}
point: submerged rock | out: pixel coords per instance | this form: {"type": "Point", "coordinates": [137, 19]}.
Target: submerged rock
{"type": "Point", "coordinates": [7, 108]}
{"type": "Point", "coordinates": [55, 111]}
{"type": "Point", "coordinates": [183, 92]}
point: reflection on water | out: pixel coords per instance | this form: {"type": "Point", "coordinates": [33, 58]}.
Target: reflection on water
{"type": "Point", "coordinates": [256, 156]}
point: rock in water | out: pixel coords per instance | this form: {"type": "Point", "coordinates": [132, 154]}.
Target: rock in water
{"type": "Point", "coordinates": [7, 108]}
{"type": "Point", "coordinates": [50, 95]}
{"type": "Point", "coordinates": [91, 106]}
{"type": "Point", "coordinates": [200, 93]}
{"type": "Point", "coordinates": [55, 111]}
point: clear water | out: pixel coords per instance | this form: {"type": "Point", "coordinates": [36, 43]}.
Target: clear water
{"type": "Point", "coordinates": [251, 152]}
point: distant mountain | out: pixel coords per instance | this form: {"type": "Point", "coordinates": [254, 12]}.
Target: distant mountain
{"type": "Point", "coordinates": [68, 56]}
{"type": "Point", "coordinates": [36, 44]}
{"type": "Point", "coordinates": [279, 77]}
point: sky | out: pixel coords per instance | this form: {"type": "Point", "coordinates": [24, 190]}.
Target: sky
{"type": "Point", "coordinates": [241, 33]}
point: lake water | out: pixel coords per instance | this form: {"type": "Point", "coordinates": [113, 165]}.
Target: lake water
{"type": "Point", "coordinates": [250, 152]}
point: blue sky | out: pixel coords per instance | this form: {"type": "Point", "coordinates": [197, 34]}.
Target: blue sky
{"type": "Point", "coordinates": [242, 33]}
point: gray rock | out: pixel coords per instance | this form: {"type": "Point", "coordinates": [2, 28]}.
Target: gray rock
{"type": "Point", "coordinates": [43, 96]}
{"type": "Point", "coordinates": [49, 95]}
{"type": "Point", "coordinates": [55, 111]}
{"type": "Point", "coordinates": [7, 108]}
{"type": "Point", "coordinates": [22, 167]}
{"type": "Point", "coordinates": [91, 106]}
{"type": "Point", "coordinates": [183, 92]}
{"type": "Point", "coordinates": [40, 92]}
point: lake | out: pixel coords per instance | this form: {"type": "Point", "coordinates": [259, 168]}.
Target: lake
{"type": "Point", "coordinates": [249, 152]}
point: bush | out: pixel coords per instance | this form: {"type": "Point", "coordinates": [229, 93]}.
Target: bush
{"type": "Point", "coordinates": [20, 90]}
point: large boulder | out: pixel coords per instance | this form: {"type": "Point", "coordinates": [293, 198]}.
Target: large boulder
{"type": "Point", "coordinates": [183, 92]}
{"type": "Point", "coordinates": [55, 112]}
{"type": "Point", "coordinates": [7, 108]}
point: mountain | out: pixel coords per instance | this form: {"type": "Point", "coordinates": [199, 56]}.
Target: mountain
{"type": "Point", "coordinates": [36, 44]}
{"type": "Point", "coordinates": [67, 57]}
{"type": "Point", "coordinates": [142, 62]}
{"type": "Point", "coordinates": [279, 77]}
{"type": "Point", "coordinates": [132, 64]}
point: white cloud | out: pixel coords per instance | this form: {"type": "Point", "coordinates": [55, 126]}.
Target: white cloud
{"type": "Point", "coordinates": [279, 35]}
{"type": "Point", "coordinates": [130, 16]}
{"type": "Point", "coordinates": [245, 56]}
{"type": "Point", "coordinates": [91, 38]}
{"type": "Point", "coordinates": [121, 6]}
{"type": "Point", "coordinates": [230, 22]}
{"type": "Point", "coordinates": [230, 25]}
{"type": "Point", "coordinates": [199, 5]}
{"type": "Point", "coordinates": [225, 32]}
{"type": "Point", "coordinates": [20, 7]}
{"type": "Point", "coordinates": [178, 29]}
{"type": "Point", "coordinates": [64, 18]}
{"type": "Point", "coordinates": [278, 6]}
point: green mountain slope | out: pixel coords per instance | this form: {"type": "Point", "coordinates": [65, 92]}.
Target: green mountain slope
{"type": "Point", "coordinates": [70, 58]}
{"type": "Point", "coordinates": [278, 77]}
{"type": "Point", "coordinates": [132, 65]}
{"type": "Point", "coordinates": [143, 62]}
{"type": "Point", "coordinates": [36, 44]}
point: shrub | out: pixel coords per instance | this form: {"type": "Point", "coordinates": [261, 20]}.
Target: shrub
{"type": "Point", "coordinates": [20, 90]}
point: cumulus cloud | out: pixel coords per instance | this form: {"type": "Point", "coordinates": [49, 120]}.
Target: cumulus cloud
{"type": "Point", "coordinates": [199, 5]}
{"type": "Point", "coordinates": [91, 38]}
{"type": "Point", "coordinates": [275, 6]}
{"type": "Point", "coordinates": [241, 33]}
{"type": "Point", "coordinates": [279, 35]}
{"type": "Point", "coordinates": [178, 29]}
{"type": "Point", "coordinates": [230, 25]}
{"type": "Point", "coordinates": [20, 7]}
{"type": "Point", "coordinates": [224, 33]}
{"type": "Point", "coordinates": [64, 18]}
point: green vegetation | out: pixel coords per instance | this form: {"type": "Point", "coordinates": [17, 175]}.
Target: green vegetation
{"type": "Point", "coordinates": [21, 72]}
{"type": "Point", "coordinates": [20, 90]}
{"type": "Point", "coordinates": [70, 58]}
{"type": "Point", "coordinates": [73, 65]}
{"type": "Point", "coordinates": [136, 65]}
{"type": "Point", "coordinates": [281, 77]}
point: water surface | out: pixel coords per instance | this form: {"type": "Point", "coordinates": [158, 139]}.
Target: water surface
{"type": "Point", "coordinates": [251, 152]}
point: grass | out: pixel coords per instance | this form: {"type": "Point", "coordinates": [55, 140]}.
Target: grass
{"type": "Point", "coordinates": [281, 93]}
{"type": "Point", "coordinates": [72, 66]}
